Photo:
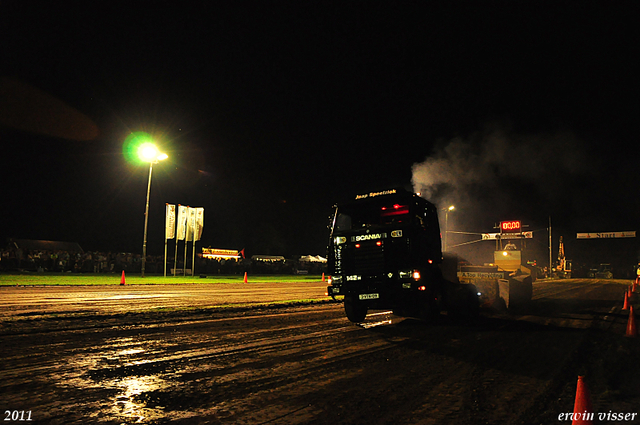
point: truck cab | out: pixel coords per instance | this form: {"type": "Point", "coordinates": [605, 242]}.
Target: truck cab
{"type": "Point", "coordinates": [385, 253]}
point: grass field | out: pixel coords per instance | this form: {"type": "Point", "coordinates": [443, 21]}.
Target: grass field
{"type": "Point", "coordinates": [42, 279]}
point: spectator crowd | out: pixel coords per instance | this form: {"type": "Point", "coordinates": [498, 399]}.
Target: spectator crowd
{"type": "Point", "coordinates": [14, 259]}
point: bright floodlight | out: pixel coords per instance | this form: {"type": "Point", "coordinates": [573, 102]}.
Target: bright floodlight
{"type": "Point", "coordinates": [451, 208]}
{"type": "Point", "coordinates": [148, 152]}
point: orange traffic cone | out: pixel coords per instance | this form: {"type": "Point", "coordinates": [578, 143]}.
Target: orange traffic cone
{"type": "Point", "coordinates": [631, 324]}
{"type": "Point", "coordinates": [122, 278]}
{"type": "Point", "coordinates": [582, 410]}
{"type": "Point", "coordinates": [635, 284]}
{"type": "Point", "coordinates": [626, 301]}
{"type": "Point", "coordinates": [323, 276]}
{"type": "Point", "coordinates": [245, 277]}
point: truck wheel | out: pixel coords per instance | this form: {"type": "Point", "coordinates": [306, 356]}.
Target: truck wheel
{"type": "Point", "coordinates": [355, 310]}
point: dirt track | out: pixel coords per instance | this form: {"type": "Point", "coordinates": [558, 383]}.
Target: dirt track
{"type": "Point", "coordinates": [308, 364]}
{"type": "Point", "coordinates": [30, 301]}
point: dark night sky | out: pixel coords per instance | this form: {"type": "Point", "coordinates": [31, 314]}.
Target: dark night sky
{"type": "Point", "coordinates": [273, 111]}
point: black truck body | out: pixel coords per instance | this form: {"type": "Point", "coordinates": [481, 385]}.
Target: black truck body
{"type": "Point", "coordinates": [385, 253]}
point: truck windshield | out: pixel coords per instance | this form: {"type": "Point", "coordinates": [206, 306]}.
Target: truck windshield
{"type": "Point", "coordinates": [371, 215]}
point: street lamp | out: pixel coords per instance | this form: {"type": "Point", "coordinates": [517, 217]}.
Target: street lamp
{"type": "Point", "coordinates": [148, 152]}
{"type": "Point", "coordinates": [446, 225]}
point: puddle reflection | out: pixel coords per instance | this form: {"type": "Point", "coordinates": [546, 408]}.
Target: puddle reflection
{"type": "Point", "coordinates": [377, 319]}
{"type": "Point", "coordinates": [130, 388]}
{"type": "Point", "coordinates": [125, 370]}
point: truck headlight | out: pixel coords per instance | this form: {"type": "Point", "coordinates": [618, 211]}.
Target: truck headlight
{"type": "Point", "coordinates": [405, 274]}
{"type": "Point", "coordinates": [409, 274]}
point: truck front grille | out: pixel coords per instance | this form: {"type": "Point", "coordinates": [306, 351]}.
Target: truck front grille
{"type": "Point", "coordinates": [368, 259]}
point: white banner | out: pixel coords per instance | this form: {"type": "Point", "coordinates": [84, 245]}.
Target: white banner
{"type": "Point", "coordinates": [182, 222]}
{"type": "Point", "coordinates": [494, 236]}
{"type": "Point", "coordinates": [199, 222]}
{"type": "Point", "coordinates": [481, 275]}
{"type": "Point", "coordinates": [191, 223]}
{"type": "Point", "coordinates": [607, 235]}
{"type": "Point", "coordinates": [170, 222]}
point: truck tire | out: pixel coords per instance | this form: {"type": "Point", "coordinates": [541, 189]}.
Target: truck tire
{"type": "Point", "coordinates": [355, 310]}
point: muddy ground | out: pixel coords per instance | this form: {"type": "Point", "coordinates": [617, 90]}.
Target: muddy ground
{"type": "Point", "coordinates": [71, 359]}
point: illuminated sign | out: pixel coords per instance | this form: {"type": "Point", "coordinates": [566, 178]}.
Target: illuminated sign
{"type": "Point", "coordinates": [374, 194]}
{"type": "Point", "coordinates": [607, 235]}
{"type": "Point", "coordinates": [359, 238]}
{"type": "Point", "coordinates": [496, 236]}
{"type": "Point", "coordinates": [220, 253]}
{"type": "Point", "coordinates": [481, 275]}
{"type": "Point", "coordinates": [512, 226]}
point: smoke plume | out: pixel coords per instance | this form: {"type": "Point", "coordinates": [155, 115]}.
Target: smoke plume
{"type": "Point", "coordinates": [497, 175]}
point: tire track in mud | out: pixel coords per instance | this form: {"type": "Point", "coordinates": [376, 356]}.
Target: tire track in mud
{"type": "Point", "coordinates": [298, 365]}
{"type": "Point", "coordinates": [232, 354]}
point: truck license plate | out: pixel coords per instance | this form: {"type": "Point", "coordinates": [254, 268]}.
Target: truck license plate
{"type": "Point", "coordinates": [369, 296]}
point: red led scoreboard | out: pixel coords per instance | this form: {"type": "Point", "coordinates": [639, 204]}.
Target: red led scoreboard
{"type": "Point", "coordinates": [512, 226]}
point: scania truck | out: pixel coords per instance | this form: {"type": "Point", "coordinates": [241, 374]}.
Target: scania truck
{"type": "Point", "coordinates": [385, 253]}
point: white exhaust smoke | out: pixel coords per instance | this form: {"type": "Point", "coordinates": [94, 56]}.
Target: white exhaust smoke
{"type": "Point", "coordinates": [499, 175]}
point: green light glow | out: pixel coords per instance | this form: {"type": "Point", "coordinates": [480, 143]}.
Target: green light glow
{"type": "Point", "coordinates": [133, 144]}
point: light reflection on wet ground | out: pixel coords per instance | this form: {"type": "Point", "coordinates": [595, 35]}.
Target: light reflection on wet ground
{"type": "Point", "coordinates": [378, 319]}
{"type": "Point", "coordinates": [163, 376]}
{"type": "Point", "coordinates": [130, 388]}
{"type": "Point", "coordinates": [117, 370]}
{"type": "Point", "coordinates": [294, 366]}
{"type": "Point", "coordinates": [33, 301]}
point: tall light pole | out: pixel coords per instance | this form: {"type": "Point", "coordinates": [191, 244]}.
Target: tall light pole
{"type": "Point", "coordinates": [446, 225]}
{"type": "Point", "coordinates": [148, 152]}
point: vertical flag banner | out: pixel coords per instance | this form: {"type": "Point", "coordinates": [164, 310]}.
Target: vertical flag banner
{"type": "Point", "coordinates": [182, 222]}
{"type": "Point", "coordinates": [191, 221]}
{"type": "Point", "coordinates": [170, 229]}
{"type": "Point", "coordinates": [187, 236]}
{"type": "Point", "coordinates": [191, 234]}
{"type": "Point", "coordinates": [199, 222]}
{"type": "Point", "coordinates": [186, 226]}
